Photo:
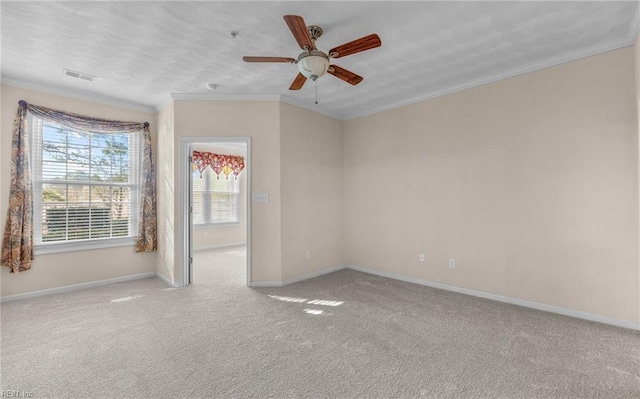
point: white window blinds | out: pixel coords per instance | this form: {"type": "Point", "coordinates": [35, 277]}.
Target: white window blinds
{"type": "Point", "coordinates": [216, 199]}
{"type": "Point", "coordinates": [86, 185]}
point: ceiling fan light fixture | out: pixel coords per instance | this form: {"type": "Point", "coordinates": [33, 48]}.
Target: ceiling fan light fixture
{"type": "Point", "coordinates": [314, 64]}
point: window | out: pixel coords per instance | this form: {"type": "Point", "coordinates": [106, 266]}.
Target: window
{"type": "Point", "coordinates": [216, 199]}
{"type": "Point", "coordinates": [86, 186]}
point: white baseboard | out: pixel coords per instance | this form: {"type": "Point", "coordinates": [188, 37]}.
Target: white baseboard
{"type": "Point", "coordinates": [75, 287]}
{"type": "Point", "coordinates": [261, 284]}
{"type": "Point", "coordinates": [514, 301]}
{"type": "Point", "coordinates": [167, 281]}
{"type": "Point", "coordinates": [219, 246]}
{"type": "Point", "coordinates": [257, 284]}
{"type": "Point", "coordinates": [313, 275]}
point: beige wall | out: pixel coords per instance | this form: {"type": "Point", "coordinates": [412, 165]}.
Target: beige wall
{"type": "Point", "coordinates": [259, 120]}
{"type": "Point", "coordinates": [58, 270]}
{"type": "Point", "coordinates": [166, 265]}
{"type": "Point", "coordinates": [3, 196]}
{"type": "Point", "coordinates": [306, 211]}
{"type": "Point", "coordinates": [530, 183]}
{"type": "Point", "coordinates": [312, 192]}
{"type": "Point", "coordinates": [219, 236]}
{"type": "Point", "coordinates": [636, 49]}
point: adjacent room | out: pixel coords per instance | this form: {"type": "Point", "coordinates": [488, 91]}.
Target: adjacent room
{"type": "Point", "coordinates": [320, 199]}
{"type": "Point", "coordinates": [219, 216]}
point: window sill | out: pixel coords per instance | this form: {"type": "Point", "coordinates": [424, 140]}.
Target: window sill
{"type": "Point", "coordinates": [83, 245]}
{"type": "Point", "coordinates": [214, 225]}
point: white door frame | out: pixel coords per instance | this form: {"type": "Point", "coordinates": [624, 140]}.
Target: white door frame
{"type": "Point", "coordinates": [185, 227]}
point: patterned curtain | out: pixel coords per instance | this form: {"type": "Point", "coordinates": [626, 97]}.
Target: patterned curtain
{"type": "Point", "coordinates": [147, 231]}
{"type": "Point", "coordinates": [84, 123]}
{"type": "Point", "coordinates": [219, 163]}
{"type": "Point", "coordinates": [17, 244]}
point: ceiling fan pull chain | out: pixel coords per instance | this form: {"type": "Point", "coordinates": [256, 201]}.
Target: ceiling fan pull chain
{"type": "Point", "coordinates": [316, 82]}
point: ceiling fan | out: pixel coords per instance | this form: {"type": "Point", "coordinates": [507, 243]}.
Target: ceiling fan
{"type": "Point", "coordinates": [313, 63]}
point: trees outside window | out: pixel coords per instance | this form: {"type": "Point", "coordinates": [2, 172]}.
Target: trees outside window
{"type": "Point", "coordinates": [86, 184]}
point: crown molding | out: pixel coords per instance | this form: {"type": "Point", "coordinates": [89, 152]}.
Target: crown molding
{"type": "Point", "coordinates": [532, 67]}
{"type": "Point", "coordinates": [252, 97]}
{"type": "Point", "coordinates": [163, 104]}
{"type": "Point", "coordinates": [224, 97]}
{"type": "Point", "coordinates": [310, 107]}
{"type": "Point", "coordinates": [77, 95]}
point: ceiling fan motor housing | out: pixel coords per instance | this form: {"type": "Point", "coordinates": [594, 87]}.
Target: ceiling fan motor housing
{"type": "Point", "coordinates": [314, 32]}
{"type": "Point", "coordinates": [313, 64]}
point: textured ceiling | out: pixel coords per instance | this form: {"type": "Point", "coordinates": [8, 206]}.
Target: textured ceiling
{"type": "Point", "coordinates": [141, 52]}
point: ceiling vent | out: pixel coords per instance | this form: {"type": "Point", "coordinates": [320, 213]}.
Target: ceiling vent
{"type": "Point", "coordinates": [78, 75]}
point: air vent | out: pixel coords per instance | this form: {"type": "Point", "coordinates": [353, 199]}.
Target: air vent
{"type": "Point", "coordinates": [78, 75]}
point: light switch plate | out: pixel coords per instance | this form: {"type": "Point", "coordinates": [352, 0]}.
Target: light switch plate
{"type": "Point", "coordinates": [261, 197]}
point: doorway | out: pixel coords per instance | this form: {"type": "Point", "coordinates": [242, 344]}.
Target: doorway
{"type": "Point", "coordinates": [216, 207]}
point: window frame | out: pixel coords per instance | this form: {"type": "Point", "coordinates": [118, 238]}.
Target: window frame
{"type": "Point", "coordinates": [207, 192]}
{"type": "Point", "coordinates": [38, 181]}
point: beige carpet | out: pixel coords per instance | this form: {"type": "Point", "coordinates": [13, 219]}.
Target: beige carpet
{"type": "Point", "coordinates": [344, 335]}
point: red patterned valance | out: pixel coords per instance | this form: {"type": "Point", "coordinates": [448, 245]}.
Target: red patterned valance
{"type": "Point", "coordinates": [219, 163]}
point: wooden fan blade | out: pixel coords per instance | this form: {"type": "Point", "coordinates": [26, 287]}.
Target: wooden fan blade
{"type": "Point", "coordinates": [356, 46]}
{"type": "Point", "coordinates": [268, 59]}
{"type": "Point", "coordinates": [299, 29]}
{"type": "Point", "coordinates": [298, 82]}
{"type": "Point", "coordinates": [345, 75]}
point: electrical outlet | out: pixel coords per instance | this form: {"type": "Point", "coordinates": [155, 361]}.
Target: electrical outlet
{"type": "Point", "coordinates": [421, 257]}
{"type": "Point", "coordinates": [452, 263]}
{"type": "Point", "coordinates": [308, 254]}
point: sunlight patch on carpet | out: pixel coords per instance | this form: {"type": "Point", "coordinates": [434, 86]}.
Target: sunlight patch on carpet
{"type": "Point", "coordinates": [288, 299]}
{"type": "Point", "coordinates": [127, 298]}
{"type": "Point", "coordinates": [325, 303]}
{"type": "Point", "coordinates": [321, 302]}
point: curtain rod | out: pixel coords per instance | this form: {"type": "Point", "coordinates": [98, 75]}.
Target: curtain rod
{"type": "Point", "coordinates": [23, 103]}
